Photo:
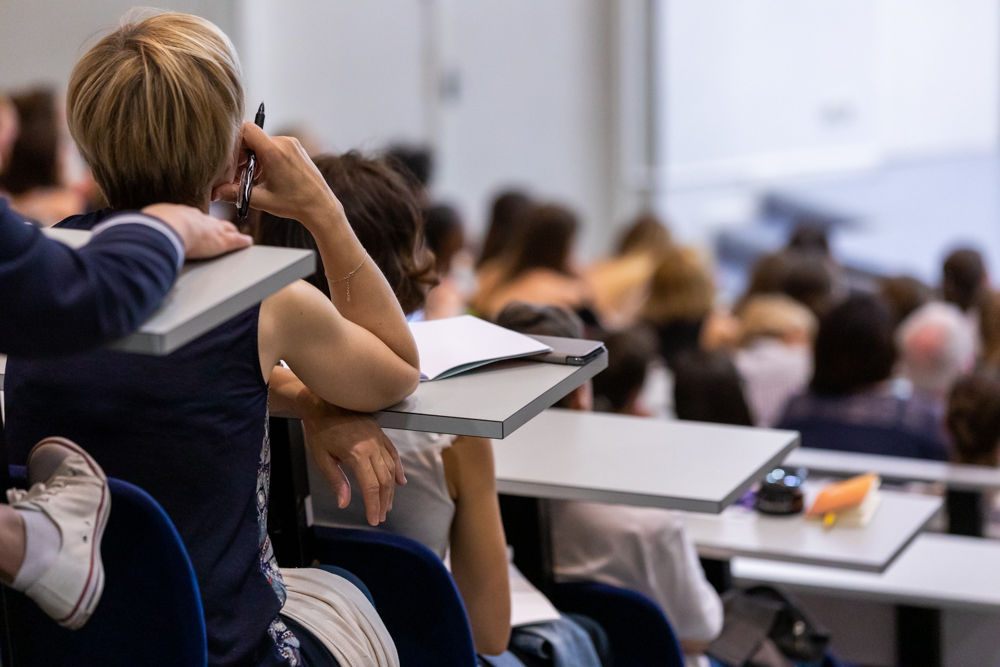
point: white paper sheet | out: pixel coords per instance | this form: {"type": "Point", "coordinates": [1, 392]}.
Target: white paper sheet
{"type": "Point", "coordinates": [527, 604]}
{"type": "Point", "coordinates": [457, 344]}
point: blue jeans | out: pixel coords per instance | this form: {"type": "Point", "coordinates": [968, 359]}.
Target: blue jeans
{"type": "Point", "coordinates": [314, 653]}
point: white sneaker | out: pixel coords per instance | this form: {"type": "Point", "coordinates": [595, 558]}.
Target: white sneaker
{"type": "Point", "coordinates": [70, 489]}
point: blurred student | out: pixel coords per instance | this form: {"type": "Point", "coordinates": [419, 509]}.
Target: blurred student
{"type": "Point", "coordinates": [964, 282]}
{"type": "Point", "coordinates": [506, 218]}
{"type": "Point", "coordinates": [805, 277]}
{"type": "Point", "coordinates": [445, 235]}
{"type": "Point", "coordinates": [203, 409]}
{"type": "Point", "coordinates": [618, 388]}
{"type": "Point", "coordinates": [974, 426]}
{"type": "Point", "coordinates": [643, 549]}
{"type": "Point", "coordinates": [449, 503]}
{"type": "Point", "coordinates": [903, 294]}
{"type": "Point", "coordinates": [850, 405]}
{"type": "Point", "coordinates": [620, 283]}
{"type": "Point", "coordinates": [936, 346]}
{"type": "Point", "coordinates": [775, 355]}
{"type": "Point", "coordinates": [707, 388]}
{"type": "Point", "coordinates": [36, 178]}
{"type": "Point", "coordinates": [680, 302]}
{"type": "Point", "coordinates": [540, 270]}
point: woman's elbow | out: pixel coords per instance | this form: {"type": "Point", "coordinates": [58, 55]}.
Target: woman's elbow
{"type": "Point", "coordinates": [492, 640]}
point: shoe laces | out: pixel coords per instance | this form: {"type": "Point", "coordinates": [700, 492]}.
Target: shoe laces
{"type": "Point", "coordinates": [39, 492]}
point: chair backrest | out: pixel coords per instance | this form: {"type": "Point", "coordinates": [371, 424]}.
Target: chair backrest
{"type": "Point", "coordinates": [150, 612]}
{"type": "Point", "coordinates": [639, 633]}
{"type": "Point", "coordinates": [413, 592]}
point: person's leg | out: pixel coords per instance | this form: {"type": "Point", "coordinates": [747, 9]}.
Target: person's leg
{"type": "Point", "coordinates": [351, 577]}
{"type": "Point", "coordinates": [63, 516]}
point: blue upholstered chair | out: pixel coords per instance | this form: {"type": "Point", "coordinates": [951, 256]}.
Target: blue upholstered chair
{"type": "Point", "coordinates": [150, 613]}
{"type": "Point", "coordinates": [413, 592]}
{"type": "Point", "coordinates": [639, 633]}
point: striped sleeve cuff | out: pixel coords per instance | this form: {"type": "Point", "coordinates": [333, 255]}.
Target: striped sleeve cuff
{"type": "Point", "coordinates": [148, 221]}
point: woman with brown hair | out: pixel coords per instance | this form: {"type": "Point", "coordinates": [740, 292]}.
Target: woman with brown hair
{"type": "Point", "coordinates": [35, 176]}
{"type": "Point", "coordinates": [540, 268]}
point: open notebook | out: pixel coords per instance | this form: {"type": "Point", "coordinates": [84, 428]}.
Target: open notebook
{"type": "Point", "coordinates": [458, 344]}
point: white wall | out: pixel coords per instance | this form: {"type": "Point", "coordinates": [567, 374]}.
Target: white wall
{"type": "Point", "coordinates": [41, 40]}
{"type": "Point", "coordinates": [760, 89]}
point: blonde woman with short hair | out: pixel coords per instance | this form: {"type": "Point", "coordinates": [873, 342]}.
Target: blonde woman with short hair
{"type": "Point", "coordinates": [156, 107]}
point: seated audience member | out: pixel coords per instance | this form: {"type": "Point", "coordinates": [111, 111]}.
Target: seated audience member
{"type": "Point", "coordinates": [540, 270]}
{"type": "Point", "coordinates": [936, 346]}
{"type": "Point", "coordinates": [449, 503]}
{"type": "Point", "coordinates": [796, 274]}
{"type": "Point", "coordinates": [680, 302]}
{"type": "Point", "coordinates": [506, 218]}
{"type": "Point", "coordinates": [445, 235]}
{"type": "Point", "coordinates": [191, 427]}
{"type": "Point", "coordinates": [618, 388]}
{"type": "Point", "coordinates": [36, 178]}
{"type": "Point", "coordinates": [415, 161]}
{"type": "Point", "coordinates": [903, 294]}
{"type": "Point", "coordinates": [849, 405]}
{"type": "Point", "coordinates": [974, 426]}
{"type": "Point", "coordinates": [620, 283]}
{"type": "Point", "coordinates": [964, 283]}
{"type": "Point", "coordinates": [707, 388]}
{"type": "Point", "coordinates": [775, 356]}
{"type": "Point", "coordinates": [643, 549]}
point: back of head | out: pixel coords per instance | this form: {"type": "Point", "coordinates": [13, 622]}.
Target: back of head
{"type": "Point", "coordinates": [645, 235]}
{"type": "Point", "coordinates": [777, 316]}
{"type": "Point", "coordinates": [445, 234]}
{"type": "Point", "coordinates": [963, 277]}
{"type": "Point", "coordinates": [629, 355]}
{"type": "Point", "coordinates": [535, 320]}
{"type": "Point", "coordinates": [936, 345]}
{"type": "Point", "coordinates": [414, 161]}
{"type": "Point", "coordinates": [854, 347]}
{"type": "Point", "coordinates": [506, 217]}
{"type": "Point", "coordinates": [904, 294]}
{"type": "Point", "coordinates": [155, 108]}
{"type": "Point", "coordinates": [545, 240]}
{"type": "Point", "coordinates": [681, 289]}
{"type": "Point", "coordinates": [974, 417]}
{"type": "Point", "coordinates": [34, 156]}
{"type": "Point", "coordinates": [707, 388]}
{"type": "Point", "coordinates": [383, 208]}
{"type": "Point", "coordinates": [808, 280]}
{"type": "Point", "coordinates": [810, 238]}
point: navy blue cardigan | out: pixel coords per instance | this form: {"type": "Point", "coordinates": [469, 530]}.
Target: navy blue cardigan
{"type": "Point", "coordinates": [55, 300]}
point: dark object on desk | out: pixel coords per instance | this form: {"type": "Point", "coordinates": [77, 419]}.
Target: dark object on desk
{"type": "Point", "coordinates": [569, 351]}
{"type": "Point", "coordinates": [781, 491]}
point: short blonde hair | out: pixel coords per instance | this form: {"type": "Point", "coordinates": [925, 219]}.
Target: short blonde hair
{"type": "Point", "coordinates": [681, 289]}
{"type": "Point", "coordinates": [155, 108]}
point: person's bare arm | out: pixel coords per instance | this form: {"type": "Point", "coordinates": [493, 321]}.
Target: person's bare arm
{"type": "Point", "coordinates": [340, 361]}
{"type": "Point", "coordinates": [335, 437]}
{"type": "Point", "coordinates": [291, 186]}
{"type": "Point", "coordinates": [478, 544]}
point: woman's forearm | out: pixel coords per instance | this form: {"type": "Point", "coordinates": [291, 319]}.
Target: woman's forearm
{"type": "Point", "coordinates": [357, 287]}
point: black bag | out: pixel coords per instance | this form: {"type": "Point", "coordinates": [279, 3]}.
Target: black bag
{"type": "Point", "coordinates": [764, 627]}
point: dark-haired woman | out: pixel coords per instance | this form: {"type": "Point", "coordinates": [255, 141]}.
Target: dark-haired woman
{"type": "Point", "coordinates": [850, 405]}
{"type": "Point", "coordinates": [540, 268]}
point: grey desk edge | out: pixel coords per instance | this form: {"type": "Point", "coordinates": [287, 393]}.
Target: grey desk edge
{"type": "Point", "coordinates": [956, 476]}
{"type": "Point", "coordinates": [724, 553]}
{"type": "Point", "coordinates": [869, 595]}
{"type": "Point", "coordinates": [144, 343]}
{"type": "Point", "coordinates": [497, 430]}
{"type": "Point", "coordinates": [610, 497]}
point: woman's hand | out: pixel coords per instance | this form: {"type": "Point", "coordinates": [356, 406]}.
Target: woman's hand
{"type": "Point", "coordinates": [203, 235]}
{"type": "Point", "coordinates": [288, 183]}
{"type": "Point", "coordinates": [335, 437]}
